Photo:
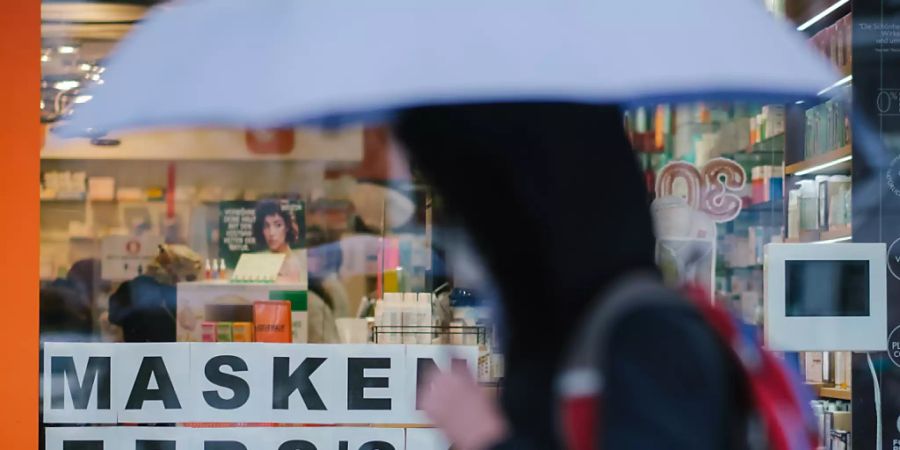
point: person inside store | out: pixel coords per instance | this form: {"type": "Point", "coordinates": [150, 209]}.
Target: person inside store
{"type": "Point", "coordinates": [276, 231]}
{"type": "Point", "coordinates": [324, 261]}
{"type": "Point", "coordinates": [553, 198]}
{"type": "Point", "coordinates": [145, 307]}
{"type": "Point", "coordinates": [66, 303]}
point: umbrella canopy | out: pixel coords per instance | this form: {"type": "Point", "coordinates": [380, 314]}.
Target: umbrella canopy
{"type": "Point", "coordinates": [286, 62]}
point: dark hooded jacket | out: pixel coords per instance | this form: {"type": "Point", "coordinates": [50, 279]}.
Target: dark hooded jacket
{"type": "Point", "coordinates": [554, 200]}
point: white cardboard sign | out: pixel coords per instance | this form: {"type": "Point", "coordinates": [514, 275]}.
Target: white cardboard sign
{"type": "Point", "coordinates": [426, 439]}
{"type": "Point", "coordinates": [250, 438]}
{"type": "Point", "coordinates": [240, 382]}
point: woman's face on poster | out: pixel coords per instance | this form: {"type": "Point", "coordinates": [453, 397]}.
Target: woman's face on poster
{"type": "Point", "coordinates": [275, 233]}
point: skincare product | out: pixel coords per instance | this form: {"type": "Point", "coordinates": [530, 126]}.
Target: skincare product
{"type": "Point", "coordinates": [272, 321]}
{"type": "Point", "coordinates": [223, 332]}
{"type": "Point", "coordinates": [242, 332]}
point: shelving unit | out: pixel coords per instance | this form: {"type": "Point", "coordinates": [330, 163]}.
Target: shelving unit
{"type": "Point", "coordinates": [831, 392]}
{"type": "Point", "coordinates": [774, 206]}
{"type": "Point", "coordinates": [824, 237]}
{"type": "Point", "coordinates": [833, 162]}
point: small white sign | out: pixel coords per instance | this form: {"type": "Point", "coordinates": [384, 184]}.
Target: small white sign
{"type": "Point", "coordinates": [125, 257]}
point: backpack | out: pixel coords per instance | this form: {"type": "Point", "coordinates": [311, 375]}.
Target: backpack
{"type": "Point", "coordinates": [778, 400]}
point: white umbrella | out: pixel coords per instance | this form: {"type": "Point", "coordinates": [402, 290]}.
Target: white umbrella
{"type": "Point", "coordinates": [267, 63]}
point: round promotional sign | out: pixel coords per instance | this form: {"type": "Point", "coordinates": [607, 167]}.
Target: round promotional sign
{"type": "Point", "coordinates": [894, 259]}
{"type": "Point", "coordinates": [133, 247]}
{"type": "Point", "coordinates": [894, 346]}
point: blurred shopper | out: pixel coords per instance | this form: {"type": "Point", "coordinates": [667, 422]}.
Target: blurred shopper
{"type": "Point", "coordinates": [145, 307]}
{"type": "Point", "coordinates": [553, 198]}
{"type": "Point", "coordinates": [66, 303]}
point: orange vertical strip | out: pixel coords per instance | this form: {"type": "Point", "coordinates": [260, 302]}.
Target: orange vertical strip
{"type": "Point", "coordinates": [20, 137]}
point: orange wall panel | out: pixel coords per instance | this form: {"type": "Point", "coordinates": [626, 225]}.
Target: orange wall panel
{"type": "Point", "coordinates": [20, 136]}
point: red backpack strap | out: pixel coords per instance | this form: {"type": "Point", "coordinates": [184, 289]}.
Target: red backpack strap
{"type": "Point", "coordinates": [777, 396]}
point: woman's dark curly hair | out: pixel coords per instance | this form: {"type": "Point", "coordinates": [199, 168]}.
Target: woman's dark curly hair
{"type": "Point", "coordinates": [268, 208]}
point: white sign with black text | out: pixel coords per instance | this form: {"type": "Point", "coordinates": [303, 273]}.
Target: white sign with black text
{"type": "Point", "coordinates": [241, 382]}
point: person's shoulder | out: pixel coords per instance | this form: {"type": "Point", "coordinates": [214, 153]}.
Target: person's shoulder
{"type": "Point", "coordinates": [676, 325]}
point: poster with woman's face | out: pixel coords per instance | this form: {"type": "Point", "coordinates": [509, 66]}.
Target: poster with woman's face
{"type": "Point", "coordinates": [274, 226]}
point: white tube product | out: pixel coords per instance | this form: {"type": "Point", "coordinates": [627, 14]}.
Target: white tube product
{"type": "Point", "coordinates": [393, 318]}
{"type": "Point", "coordinates": [424, 318]}
{"type": "Point", "coordinates": [379, 319]}
{"type": "Point", "coordinates": [410, 318]}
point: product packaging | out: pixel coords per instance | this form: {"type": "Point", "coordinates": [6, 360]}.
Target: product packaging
{"type": "Point", "coordinates": [242, 332]}
{"type": "Point", "coordinates": [220, 301]}
{"type": "Point", "coordinates": [299, 313]}
{"type": "Point", "coordinates": [224, 332]}
{"type": "Point", "coordinates": [208, 330]}
{"type": "Point", "coordinates": [411, 328]}
{"type": "Point", "coordinates": [808, 205]}
{"type": "Point", "coordinates": [814, 367]}
{"type": "Point", "coordinates": [424, 318]}
{"type": "Point", "coordinates": [393, 319]}
{"type": "Point", "coordinates": [272, 321]}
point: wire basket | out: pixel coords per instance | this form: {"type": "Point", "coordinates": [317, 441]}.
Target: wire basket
{"type": "Point", "coordinates": [463, 335]}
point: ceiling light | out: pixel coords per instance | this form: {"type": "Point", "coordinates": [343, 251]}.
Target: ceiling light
{"type": "Point", "coordinates": [821, 167]}
{"type": "Point", "coordinates": [835, 240]}
{"type": "Point", "coordinates": [85, 67]}
{"type": "Point", "coordinates": [66, 85]}
{"type": "Point", "coordinates": [822, 15]}
{"type": "Point", "coordinates": [66, 49]}
{"type": "Point", "coordinates": [45, 58]}
{"type": "Point", "coordinates": [95, 77]}
{"type": "Point", "coordinates": [83, 99]}
{"type": "Point", "coordinates": [843, 81]}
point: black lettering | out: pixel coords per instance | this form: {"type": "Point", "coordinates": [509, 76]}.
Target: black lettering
{"type": "Point", "coordinates": [357, 382]}
{"type": "Point", "coordinates": [297, 445]}
{"type": "Point", "coordinates": [141, 392]}
{"type": "Point", "coordinates": [424, 366]}
{"type": "Point", "coordinates": [343, 445]}
{"type": "Point", "coordinates": [82, 445]}
{"type": "Point", "coordinates": [223, 445]}
{"type": "Point", "coordinates": [377, 445]}
{"type": "Point", "coordinates": [98, 369]}
{"type": "Point", "coordinates": [154, 445]}
{"type": "Point", "coordinates": [283, 385]}
{"type": "Point", "coordinates": [237, 385]}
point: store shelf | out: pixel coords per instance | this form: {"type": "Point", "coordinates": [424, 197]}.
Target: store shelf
{"type": "Point", "coordinates": [63, 201]}
{"type": "Point", "coordinates": [831, 392]}
{"type": "Point", "coordinates": [824, 237]}
{"type": "Point", "coordinates": [773, 206]}
{"type": "Point", "coordinates": [846, 81]}
{"type": "Point", "coordinates": [750, 267]}
{"type": "Point", "coordinates": [771, 144]}
{"type": "Point", "coordinates": [338, 147]}
{"type": "Point", "coordinates": [836, 393]}
{"type": "Point", "coordinates": [835, 161]}
{"type": "Point", "coordinates": [817, 20]}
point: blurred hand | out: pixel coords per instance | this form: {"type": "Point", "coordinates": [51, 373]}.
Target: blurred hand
{"type": "Point", "coordinates": [463, 411]}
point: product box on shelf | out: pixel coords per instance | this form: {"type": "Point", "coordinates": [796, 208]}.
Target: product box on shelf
{"type": "Point", "coordinates": [206, 307]}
